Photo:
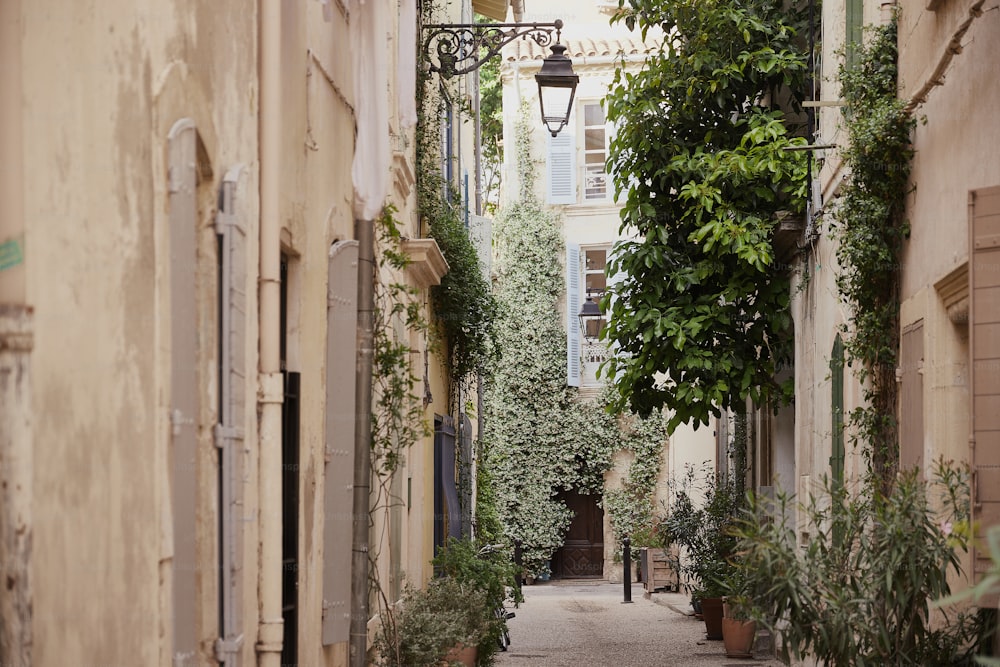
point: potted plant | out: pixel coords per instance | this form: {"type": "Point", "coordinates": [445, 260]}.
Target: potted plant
{"type": "Point", "coordinates": [702, 528]}
{"type": "Point", "coordinates": [738, 629]}
{"type": "Point", "coordinates": [487, 568]}
{"type": "Point", "coordinates": [437, 624]}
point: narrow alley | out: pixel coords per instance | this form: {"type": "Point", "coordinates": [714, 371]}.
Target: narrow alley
{"type": "Point", "coordinates": [584, 623]}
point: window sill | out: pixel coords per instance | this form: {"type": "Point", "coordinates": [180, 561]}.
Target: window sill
{"type": "Point", "coordinates": [427, 265]}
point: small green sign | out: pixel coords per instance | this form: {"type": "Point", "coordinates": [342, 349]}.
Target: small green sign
{"type": "Point", "coordinates": [10, 254]}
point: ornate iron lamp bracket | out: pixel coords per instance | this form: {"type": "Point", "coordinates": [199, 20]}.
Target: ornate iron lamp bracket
{"type": "Point", "coordinates": [456, 48]}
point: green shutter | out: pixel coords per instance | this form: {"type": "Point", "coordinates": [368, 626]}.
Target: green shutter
{"type": "Point", "coordinates": [837, 410]}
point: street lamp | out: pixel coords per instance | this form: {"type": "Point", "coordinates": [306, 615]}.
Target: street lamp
{"type": "Point", "coordinates": [590, 311]}
{"type": "Point", "coordinates": [458, 48]}
{"type": "Point", "coordinates": [556, 88]}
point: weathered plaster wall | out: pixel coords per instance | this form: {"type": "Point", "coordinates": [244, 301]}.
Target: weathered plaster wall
{"type": "Point", "coordinates": [102, 87]}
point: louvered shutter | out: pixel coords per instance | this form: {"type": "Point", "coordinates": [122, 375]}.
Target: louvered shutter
{"type": "Point", "coordinates": [561, 169]}
{"type": "Point", "coordinates": [911, 397]}
{"type": "Point", "coordinates": [182, 187]}
{"type": "Point", "coordinates": [984, 343]}
{"type": "Point", "coordinates": [341, 351]}
{"type": "Point", "coordinates": [572, 315]}
{"type": "Point", "coordinates": [230, 433]}
{"type": "Point", "coordinates": [837, 412]}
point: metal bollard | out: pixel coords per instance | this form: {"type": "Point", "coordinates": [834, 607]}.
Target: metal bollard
{"type": "Point", "coordinates": [627, 576]}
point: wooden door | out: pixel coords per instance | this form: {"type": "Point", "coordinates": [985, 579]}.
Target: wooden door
{"type": "Point", "coordinates": [582, 553]}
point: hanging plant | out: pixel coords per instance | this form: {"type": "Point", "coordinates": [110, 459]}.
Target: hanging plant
{"type": "Point", "coordinates": [463, 304]}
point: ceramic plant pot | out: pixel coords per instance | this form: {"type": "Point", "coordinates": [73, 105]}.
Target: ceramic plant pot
{"type": "Point", "coordinates": [711, 611]}
{"type": "Point", "coordinates": [738, 637]}
{"type": "Point", "coordinates": [463, 654]}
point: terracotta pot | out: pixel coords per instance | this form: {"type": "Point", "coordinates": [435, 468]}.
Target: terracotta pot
{"type": "Point", "coordinates": [738, 636]}
{"type": "Point", "coordinates": [464, 654]}
{"type": "Point", "coordinates": [711, 610]}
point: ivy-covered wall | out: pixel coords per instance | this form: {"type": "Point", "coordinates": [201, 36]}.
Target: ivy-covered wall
{"type": "Point", "coordinates": [540, 437]}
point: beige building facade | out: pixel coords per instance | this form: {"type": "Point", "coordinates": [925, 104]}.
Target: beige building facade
{"type": "Point", "coordinates": [179, 328]}
{"type": "Point", "coordinates": [948, 343]}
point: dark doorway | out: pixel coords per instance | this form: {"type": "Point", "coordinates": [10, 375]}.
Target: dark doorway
{"type": "Point", "coordinates": [289, 490]}
{"type": "Point", "coordinates": [447, 515]}
{"type": "Point", "coordinates": [582, 553]}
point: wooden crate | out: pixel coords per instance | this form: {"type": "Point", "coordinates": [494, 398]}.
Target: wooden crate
{"type": "Point", "coordinates": [658, 571]}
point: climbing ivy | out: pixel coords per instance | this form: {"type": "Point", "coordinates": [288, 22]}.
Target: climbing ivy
{"type": "Point", "coordinates": [870, 231]}
{"type": "Point", "coordinates": [541, 438]}
{"type": "Point", "coordinates": [397, 415]}
{"type": "Point", "coordinates": [463, 304]}
{"type": "Point", "coordinates": [631, 508]}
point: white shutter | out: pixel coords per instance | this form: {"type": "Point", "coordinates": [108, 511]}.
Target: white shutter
{"type": "Point", "coordinates": [230, 433]}
{"type": "Point", "coordinates": [184, 394]}
{"type": "Point", "coordinates": [341, 352]}
{"type": "Point", "coordinates": [561, 169]}
{"type": "Point", "coordinates": [572, 314]}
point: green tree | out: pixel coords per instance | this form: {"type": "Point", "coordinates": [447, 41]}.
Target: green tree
{"type": "Point", "coordinates": [700, 312]}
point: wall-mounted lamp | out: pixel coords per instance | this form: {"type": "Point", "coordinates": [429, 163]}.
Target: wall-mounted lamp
{"type": "Point", "coordinates": [556, 88]}
{"type": "Point", "coordinates": [590, 312]}
{"type": "Point", "coordinates": [458, 48]}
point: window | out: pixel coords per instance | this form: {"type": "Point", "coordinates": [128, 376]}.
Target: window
{"type": "Point", "coordinates": [854, 21]}
{"type": "Point", "coordinates": [595, 152]}
{"type": "Point", "coordinates": [595, 282]}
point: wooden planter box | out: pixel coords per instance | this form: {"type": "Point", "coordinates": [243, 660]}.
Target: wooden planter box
{"type": "Point", "coordinates": [658, 571]}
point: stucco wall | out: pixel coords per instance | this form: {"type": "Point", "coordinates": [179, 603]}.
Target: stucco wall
{"type": "Point", "coordinates": [103, 83]}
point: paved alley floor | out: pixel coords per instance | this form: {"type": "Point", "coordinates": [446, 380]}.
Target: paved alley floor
{"type": "Point", "coordinates": [580, 623]}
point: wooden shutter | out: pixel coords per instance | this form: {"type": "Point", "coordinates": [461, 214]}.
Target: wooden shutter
{"type": "Point", "coordinates": [911, 397]}
{"type": "Point", "coordinates": [230, 432]}
{"type": "Point", "coordinates": [182, 188]}
{"type": "Point", "coordinates": [573, 369]}
{"type": "Point", "coordinates": [984, 345]}
{"type": "Point", "coordinates": [341, 351]}
{"type": "Point", "coordinates": [561, 169]}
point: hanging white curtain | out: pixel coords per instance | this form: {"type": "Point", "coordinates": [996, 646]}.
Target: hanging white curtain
{"type": "Point", "coordinates": [373, 153]}
{"type": "Point", "coordinates": [406, 77]}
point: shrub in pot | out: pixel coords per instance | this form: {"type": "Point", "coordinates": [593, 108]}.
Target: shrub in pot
{"type": "Point", "coordinates": [489, 570]}
{"type": "Point", "coordinates": [738, 629]}
{"type": "Point", "coordinates": [703, 530]}
{"type": "Point", "coordinates": [432, 622]}
{"type": "Point", "coordinates": [862, 589]}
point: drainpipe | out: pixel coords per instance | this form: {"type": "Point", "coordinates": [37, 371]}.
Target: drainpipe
{"type": "Point", "coordinates": [16, 341]}
{"type": "Point", "coordinates": [270, 632]}
{"type": "Point", "coordinates": [364, 232]}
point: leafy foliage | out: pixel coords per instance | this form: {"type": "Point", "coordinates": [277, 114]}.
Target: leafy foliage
{"type": "Point", "coordinates": [490, 571]}
{"type": "Point", "coordinates": [701, 316]}
{"type": "Point", "coordinates": [631, 508]}
{"type": "Point", "coordinates": [491, 129]}
{"type": "Point", "coordinates": [432, 621]}
{"type": "Point", "coordinates": [703, 511]}
{"type": "Point", "coordinates": [541, 439]}
{"type": "Point", "coordinates": [397, 415]}
{"type": "Point", "coordinates": [870, 234]}
{"type": "Point", "coordinates": [860, 590]}
{"type": "Point", "coordinates": [463, 303]}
